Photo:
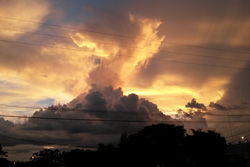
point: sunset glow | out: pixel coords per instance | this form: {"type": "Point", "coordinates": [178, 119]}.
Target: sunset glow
{"type": "Point", "coordinates": [188, 60]}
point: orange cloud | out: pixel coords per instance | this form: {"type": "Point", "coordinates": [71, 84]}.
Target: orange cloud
{"type": "Point", "coordinates": [121, 62]}
{"type": "Point", "coordinates": [23, 10]}
{"type": "Point", "coordinates": [61, 73]}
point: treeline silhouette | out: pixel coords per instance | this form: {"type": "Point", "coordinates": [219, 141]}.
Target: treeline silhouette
{"type": "Point", "coordinates": [160, 145]}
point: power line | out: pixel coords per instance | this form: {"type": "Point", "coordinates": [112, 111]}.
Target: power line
{"type": "Point", "coordinates": [123, 36]}
{"type": "Point", "coordinates": [155, 59]}
{"type": "Point", "coordinates": [72, 28]}
{"type": "Point", "coordinates": [234, 115]}
{"type": "Point", "coordinates": [36, 33]}
{"type": "Point", "coordinates": [199, 64]}
{"type": "Point", "coordinates": [204, 56]}
{"type": "Point", "coordinates": [238, 134]}
{"type": "Point", "coordinates": [239, 139]}
{"type": "Point", "coordinates": [132, 47]}
{"type": "Point", "coordinates": [19, 106]}
{"type": "Point", "coordinates": [120, 120]}
{"type": "Point", "coordinates": [143, 113]}
{"type": "Point", "coordinates": [110, 111]}
{"type": "Point", "coordinates": [42, 142]}
{"type": "Point", "coordinates": [55, 108]}
{"type": "Point", "coordinates": [209, 48]}
{"type": "Point", "coordinates": [81, 119]}
{"type": "Point", "coordinates": [48, 46]}
{"type": "Point", "coordinates": [27, 140]}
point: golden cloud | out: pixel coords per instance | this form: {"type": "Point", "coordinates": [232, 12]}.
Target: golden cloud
{"type": "Point", "coordinates": [23, 10]}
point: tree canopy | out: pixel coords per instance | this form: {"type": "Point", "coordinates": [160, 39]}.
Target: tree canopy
{"type": "Point", "coordinates": [2, 152]}
{"type": "Point", "coordinates": [155, 145]}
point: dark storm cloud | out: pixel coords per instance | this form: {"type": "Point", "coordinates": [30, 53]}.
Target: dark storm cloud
{"type": "Point", "coordinates": [6, 126]}
{"type": "Point", "coordinates": [116, 106]}
{"type": "Point", "coordinates": [195, 104]}
{"type": "Point", "coordinates": [207, 23]}
{"type": "Point", "coordinates": [237, 94]}
{"type": "Point", "coordinates": [95, 101]}
{"type": "Point", "coordinates": [238, 90]}
{"type": "Point", "coordinates": [218, 106]}
{"type": "Point", "coordinates": [235, 101]}
{"type": "Point", "coordinates": [97, 104]}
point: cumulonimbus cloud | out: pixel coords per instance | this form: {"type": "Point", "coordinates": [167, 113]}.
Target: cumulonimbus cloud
{"type": "Point", "coordinates": [101, 115]}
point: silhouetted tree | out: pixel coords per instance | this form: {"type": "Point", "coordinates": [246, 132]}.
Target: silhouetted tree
{"type": "Point", "coordinates": [106, 148]}
{"type": "Point", "coordinates": [155, 145]}
{"type": "Point", "coordinates": [4, 162]}
{"type": "Point", "coordinates": [108, 155]}
{"type": "Point", "coordinates": [46, 157]}
{"type": "Point", "coordinates": [2, 153]}
{"type": "Point", "coordinates": [206, 148]}
{"type": "Point", "coordinates": [160, 144]}
{"type": "Point", "coordinates": [78, 157]}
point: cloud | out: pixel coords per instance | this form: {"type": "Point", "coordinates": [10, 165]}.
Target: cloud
{"type": "Point", "coordinates": [112, 60]}
{"type": "Point", "coordinates": [199, 23]}
{"type": "Point", "coordinates": [119, 113]}
{"type": "Point", "coordinates": [64, 72]}
{"type": "Point", "coordinates": [20, 10]}
{"type": "Point", "coordinates": [95, 101]}
{"type": "Point", "coordinates": [195, 104]}
{"type": "Point", "coordinates": [236, 95]}
{"type": "Point", "coordinates": [106, 113]}
{"type": "Point", "coordinates": [188, 23]}
{"type": "Point", "coordinates": [235, 101]}
{"type": "Point", "coordinates": [218, 106]}
{"type": "Point", "coordinates": [123, 57]}
{"type": "Point", "coordinates": [104, 104]}
{"type": "Point", "coordinates": [99, 104]}
{"type": "Point", "coordinates": [6, 126]}
{"type": "Point", "coordinates": [30, 74]}
{"type": "Point", "coordinates": [24, 67]}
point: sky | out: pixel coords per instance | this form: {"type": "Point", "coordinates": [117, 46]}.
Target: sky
{"type": "Point", "coordinates": [187, 59]}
